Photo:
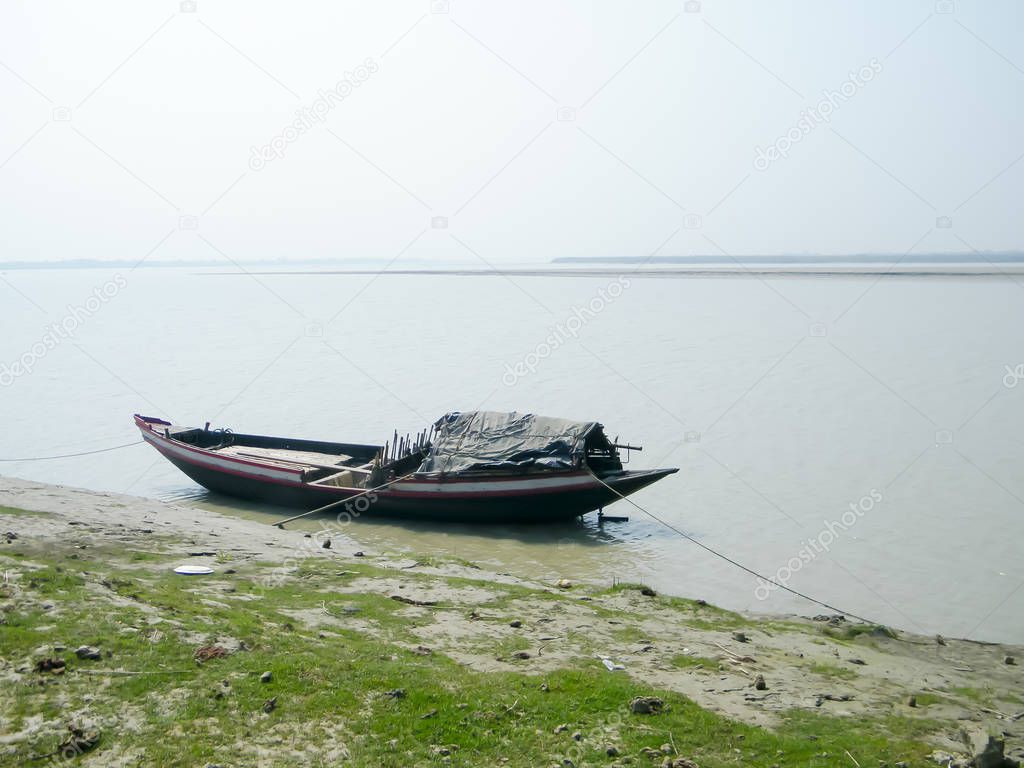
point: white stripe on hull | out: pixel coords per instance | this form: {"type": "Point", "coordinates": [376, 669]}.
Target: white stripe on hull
{"type": "Point", "coordinates": [497, 486]}
{"type": "Point", "coordinates": [214, 462]}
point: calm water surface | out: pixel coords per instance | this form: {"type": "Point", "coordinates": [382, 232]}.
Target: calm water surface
{"type": "Point", "coordinates": [783, 401]}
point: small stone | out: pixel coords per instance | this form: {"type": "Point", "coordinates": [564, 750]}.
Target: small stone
{"type": "Point", "coordinates": [266, 677]}
{"type": "Point", "coordinates": [55, 665]}
{"type": "Point", "coordinates": [1009, 660]}
{"type": "Point", "coordinates": [395, 693]}
{"type": "Point", "coordinates": [666, 749]}
{"type": "Point", "coordinates": [740, 637]}
{"type": "Point", "coordinates": [612, 751]}
{"type": "Point", "coordinates": [515, 624]}
{"type": "Point", "coordinates": [646, 705]}
{"type": "Point", "coordinates": [859, 662]}
{"type": "Point", "coordinates": [577, 736]}
{"type": "Point", "coordinates": [940, 640]}
{"type": "Point", "coordinates": [912, 701]}
{"type": "Point", "coordinates": [561, 728]}
{"type": "Point", "coordinates": [326, 544]}
{"type": "Point", "coordinates": [270, 705]}
{"type": "Point", "coordinates": [428, 715]}
{"type": "Point", "coordinates": [563, 584]}
{"type": "Point", "coordinates": [521, 655]}
{"type": "Point", "coordinates": [359, 554]}
{"type": "Point", "coordinates": [230, 571]}
{"type": "Point", "coordinates": [760, 684]}
{"type": "Point", "coordinates": [87, 652]}
{"type": "Point", "coordinates": [648, 592]}
{"type": "Point", "coordinates": [985, 749]}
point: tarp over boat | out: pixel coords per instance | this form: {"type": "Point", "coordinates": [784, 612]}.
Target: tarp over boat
{"type": "Point", "coordinates": [489, 440]}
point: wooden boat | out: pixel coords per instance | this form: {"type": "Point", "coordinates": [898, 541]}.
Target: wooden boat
{"type": "Point", "coordinates": [478, 467]}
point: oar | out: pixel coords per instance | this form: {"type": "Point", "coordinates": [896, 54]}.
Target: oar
{"type": "Point", "coordinates": [343, 501]}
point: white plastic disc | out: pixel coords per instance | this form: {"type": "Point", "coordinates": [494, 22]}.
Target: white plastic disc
{"type": "Point", "coordinates": [193, 570]}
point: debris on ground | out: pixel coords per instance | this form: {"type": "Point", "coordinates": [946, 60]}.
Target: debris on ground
{"type": "Point", "coordinates": [208, 652]}
{"type": "Point", "coordinates": [78, 742]}
{"type": "Point", "coordinates": [410, 601]}
{"type": "Point", "coordinates": [55, 665]}
{"type": "Point", "coordinates": [87, 652]}
{"type": "Point", "coordinates": [646, 705]}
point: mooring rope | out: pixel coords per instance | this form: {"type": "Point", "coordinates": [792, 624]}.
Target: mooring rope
{"type": "Point", "coordinates": [729, 560]}
{"type": "Point", "coordinates": [81, 453]}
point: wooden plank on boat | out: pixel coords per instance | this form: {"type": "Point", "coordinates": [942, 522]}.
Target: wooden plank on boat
{"type": "Point", "coordinates": [285, 454]}
{"type": "Point", "coordinates": [303, 462]}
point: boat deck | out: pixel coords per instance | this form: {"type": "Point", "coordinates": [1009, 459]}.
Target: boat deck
{"type": "Point", "coordinates": [311, 459]}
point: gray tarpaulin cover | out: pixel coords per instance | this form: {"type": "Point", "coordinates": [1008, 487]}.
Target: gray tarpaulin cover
{"type": "Point", "coordinates": [492, 440]}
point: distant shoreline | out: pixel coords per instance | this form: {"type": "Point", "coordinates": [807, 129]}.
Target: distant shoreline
{"type": "Point", "coordinates": [982, 263]}
{"type": "Point", "coordinates": [966, 270]}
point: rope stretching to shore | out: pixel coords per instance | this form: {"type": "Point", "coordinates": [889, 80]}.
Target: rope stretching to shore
{"type": "Point", "coordinates": [730, 560]}
{"type": "Point", "coordinates": [73, 455]}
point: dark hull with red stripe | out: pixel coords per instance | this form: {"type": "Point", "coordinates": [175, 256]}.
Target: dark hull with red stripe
{"type": "Point", "coordinates": [538, 508]}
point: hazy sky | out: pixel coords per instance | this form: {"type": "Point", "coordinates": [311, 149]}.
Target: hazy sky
{"type": "Point", "coordinates": [536, 129]}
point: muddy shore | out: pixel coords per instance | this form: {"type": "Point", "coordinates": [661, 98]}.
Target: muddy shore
{"type": "Point", "coordinates": [73, 558]}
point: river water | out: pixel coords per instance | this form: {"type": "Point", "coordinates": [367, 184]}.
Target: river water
{"type": "Point", "coordinates": [787, 401]}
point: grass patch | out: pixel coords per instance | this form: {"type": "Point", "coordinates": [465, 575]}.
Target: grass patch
{"type": "Point", "coordinates": [360, 692]}
{"type": "Point", "coordinates": [15, 512]}
{"type": "Point", "coordinates": [855, 631]}
{"type": "Point", "coordinates": [685, 661]}
{"type": "Point", "coordinates": [833, 671]}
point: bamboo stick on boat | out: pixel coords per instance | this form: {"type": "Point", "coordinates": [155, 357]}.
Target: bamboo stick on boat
{"type": "Point", "coordinates": [334, 504]}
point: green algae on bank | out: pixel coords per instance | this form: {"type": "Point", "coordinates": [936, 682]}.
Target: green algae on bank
{"type": "Point", "coordinates": [378, 662]}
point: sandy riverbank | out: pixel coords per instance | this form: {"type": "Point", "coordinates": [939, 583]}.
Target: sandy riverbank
{"type": "Point", "coordinates": [93, 569]}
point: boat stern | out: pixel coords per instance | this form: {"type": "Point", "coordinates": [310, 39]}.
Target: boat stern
{"type": "Point", "coordinates": [630, 481]}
